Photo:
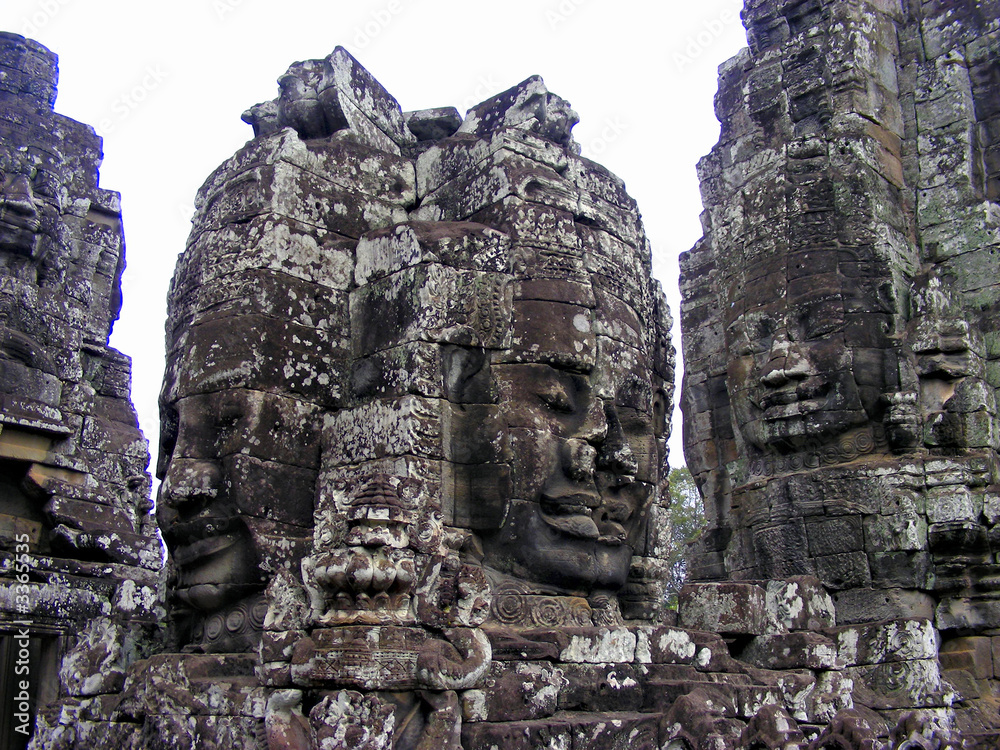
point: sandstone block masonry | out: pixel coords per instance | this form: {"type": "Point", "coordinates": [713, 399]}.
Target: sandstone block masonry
{"type": "Point", "coordinates": [80, 555]}
{"type": "Point", "coordinates": [839, 320]}
{"type": "Point", "coordinates": [415, 414]}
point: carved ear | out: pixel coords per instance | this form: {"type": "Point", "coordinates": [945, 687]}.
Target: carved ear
{"type": "Point", "coordinates": [466, 375]}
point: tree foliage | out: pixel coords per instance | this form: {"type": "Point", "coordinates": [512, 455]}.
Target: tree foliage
{"type": "Point", "coordinates": [687, 519]}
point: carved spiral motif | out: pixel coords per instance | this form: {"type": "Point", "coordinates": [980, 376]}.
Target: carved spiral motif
{"type": "Point", "coordinates": [258, 613]}
{"type": "Point", "coordinates": [214, 626]}
{"type": "Point", "coordinates": [237, 619]}
{"type": "Point", "coordinates": [548, 613]}
{"type": "Point", "coordinates": [864, 443]}
{"type": "Point", "coordinates": [815, 455]}
{"type": "Point", "coordinates": [510, 608]}
{"type": "Point", "coordinates": [580, 613]}
{"type": "Point", "coordinates": [426, 536]}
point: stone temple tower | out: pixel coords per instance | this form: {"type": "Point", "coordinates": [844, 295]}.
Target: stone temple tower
{"type": "Point", "coordinates": [81, 556]}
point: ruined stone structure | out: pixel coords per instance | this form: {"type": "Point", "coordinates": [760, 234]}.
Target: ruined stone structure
{"type": "Point", "coordinates": [416, 405]}
{"type": "Point", "coordinates": [81, 558]}
{"type": "Point", "coordinates": [840, 324]}
{"type": "Point", "coordinates": [414, 426]}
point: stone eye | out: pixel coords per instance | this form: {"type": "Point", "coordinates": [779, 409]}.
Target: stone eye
{"type": "Point", "coordinates": [228, 416]}
{"type": "Point", "coordinates": [557, 400]}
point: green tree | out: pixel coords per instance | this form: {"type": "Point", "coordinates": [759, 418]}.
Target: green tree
{"type": "Point", "coordinates": [687, 519]}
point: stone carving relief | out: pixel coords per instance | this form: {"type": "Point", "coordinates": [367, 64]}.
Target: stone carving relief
{"type": "Point", "coordinates": [80, 556]}
{"type": "Point", "coordinates": [417, 387]}
{"type": "Point", "coordinates": [415, 420]}
{"type": "Point", "coordinates": [841, 421]}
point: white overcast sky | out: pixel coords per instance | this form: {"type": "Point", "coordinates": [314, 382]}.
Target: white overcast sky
{"type": "Point", "coordinates": [165, 83]}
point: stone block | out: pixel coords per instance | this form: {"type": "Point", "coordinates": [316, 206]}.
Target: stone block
{"type": "Point", "coordinates": [280, 358]}
{"type": "Point", "coordinates": [848, 570]}
{"type": "Point", "coordinates": [972, 653]}
{"type": "Point", "coordinates": [598, 645]}
{"type": "Point", "coordinates": [874, 605]}
{"type": "Point", "coordinates": [952, 503]}
{"type": "Point", "coordinates": [601, 687]}
{"type": "Point", "coordinates": [801, 650]}
{"type": "Point", "coordinates": [835, 536]}
{"type": "Point", "coordinates": [906, 570]}
{"type": "Point", "coordinates": [516, 691]}
{"type": "Point", "coordinates": [393, 427]}
{"type": "Point", "coordinates": [876, 643]}
{"type": "Point", "coordinates": [968, 614]}
{"type": "Point", "coordinates": [465, 245]}
{"type": "Point", "coordinates": [531, 224]}
{"type": "Point", "coordinates": [664, 645]}
{"type": "Point", "coordinates": [433, 124]}
{"type": "Point", "coordinates": [346, 82]}
{"type": "Point", "coordinates": [517, 735]}
{"type": "Point", "coordinates": [895, 533]}
{"type": "Point", "coordinates": [732, 608]}
{"type": "Point", "coordinates": [365, 658]}
{"type": "Point", "coordinates": [434, 303]}
{"type": "Point", "coordinates": [832, 693]}
{"type": "Point", "coordinates": [901, 684]}
{"type": "Point", "coordinates": [799, 603]}
{"type": "Point", "coordinates": [570, 339]}
{"type": "Point", "coordinates": [616, 731]}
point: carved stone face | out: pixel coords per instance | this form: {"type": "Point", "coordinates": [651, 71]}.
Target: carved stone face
{"type": "Point", "coordinates": [232, 481]}
{"type": "Point", "coordinates": [19, 217]}
{"type": "Point", "coordinates": [584, 464]}
{"type": "Point", "coordinates": [806, 373]}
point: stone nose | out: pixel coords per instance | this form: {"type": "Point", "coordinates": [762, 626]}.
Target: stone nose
{"type": "Point", "coordinates": [595, 424]}
{"type": "Point", "coordinates": [189, 485]}
{"type": "Point", "coordinates": [786, 364]}
{"type": "Point", "coordinates": [580, 453]}
{"type": "Point", "coordinates": [615, 454]}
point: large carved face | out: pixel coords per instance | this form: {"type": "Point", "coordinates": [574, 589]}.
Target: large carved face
{"type": "Point", "coordinates": [584, 461]}
{"type": "Point", "coordinates": [19, 215]}
{"type": "Point", "coordinates": [803, 371]}
{"type": "Point", "coordinates": [239, 475]}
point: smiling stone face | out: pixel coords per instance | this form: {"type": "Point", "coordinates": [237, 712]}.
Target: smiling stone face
{"type": "Point", "coordinates": [806, 356]}
{"type": "Point", "coordinates": [239, 474]}
{"type": "Point", "coordinates": [584, 468]}
{"type": "Point", "coordinates": [792, 376]}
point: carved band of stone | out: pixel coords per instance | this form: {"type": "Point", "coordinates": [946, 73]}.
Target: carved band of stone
{"type": "Point", "coordinates": [861, 442]}
{"type": "Point", "coordinates": [233, 629]}
{"type": "Point", "coordinates": [528, 610]}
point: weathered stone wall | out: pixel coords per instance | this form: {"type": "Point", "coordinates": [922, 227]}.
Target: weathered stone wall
{"type": "Point", "coordinates": [414, 429]}
{"type": "Point", "coordinates": [414, 420]}
{"type": "Point", "coordinates": [838, 314]}
{"type": "Point", "coordinates": [840, 407]}
{"type": "Point", "coordinates": [80, 557]}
